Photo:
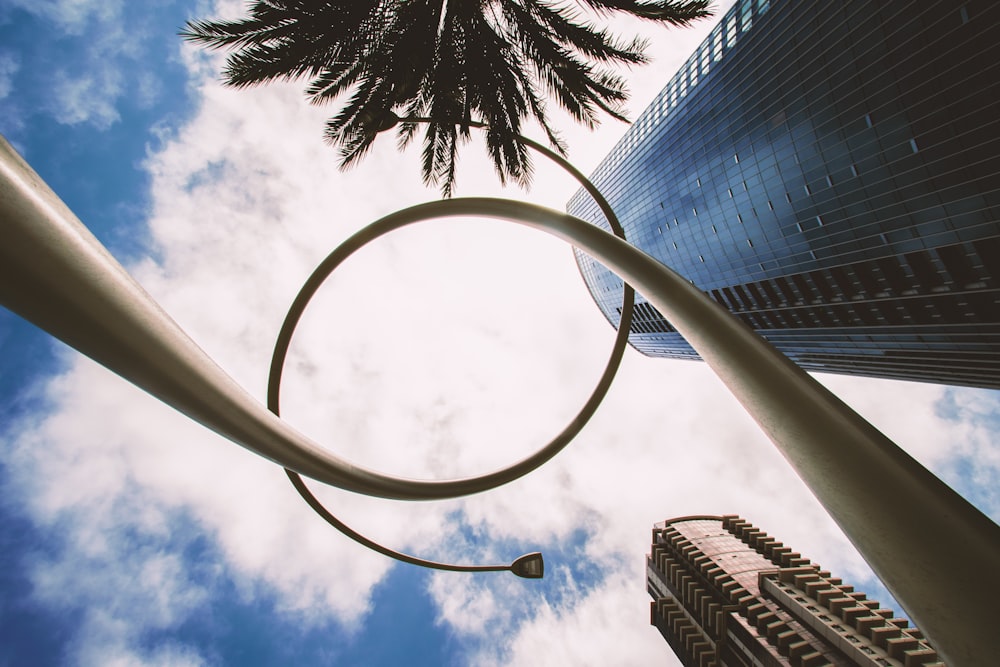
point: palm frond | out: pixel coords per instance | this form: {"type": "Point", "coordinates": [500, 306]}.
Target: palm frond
{"type": "Point", "coordinates": [674, 12]}
{"type": "Point", "coordinates": [459, 63]}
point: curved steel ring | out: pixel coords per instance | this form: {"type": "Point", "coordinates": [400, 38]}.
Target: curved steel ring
{"type": "Point", "coordinates": [385, 225]}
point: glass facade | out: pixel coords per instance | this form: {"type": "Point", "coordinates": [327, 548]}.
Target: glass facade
{"type": "Point", "coordinates": [830, 173]}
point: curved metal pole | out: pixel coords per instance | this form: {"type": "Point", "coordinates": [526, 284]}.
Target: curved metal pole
{"type": "Point", "coordinates": [579, 176]}
{"type": "Point", "coordinates": [935, 552]}
{"type": "Point", "coordinates": [529, 566]}
{"type": "Point", "coordinates": [55, 274]}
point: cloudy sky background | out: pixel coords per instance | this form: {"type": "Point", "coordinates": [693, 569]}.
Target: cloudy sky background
{"type": "Point", "coordinates": [133, 536]}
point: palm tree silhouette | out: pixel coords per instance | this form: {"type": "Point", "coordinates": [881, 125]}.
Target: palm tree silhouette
{"type": "Point", "coordinates": [457, 63]}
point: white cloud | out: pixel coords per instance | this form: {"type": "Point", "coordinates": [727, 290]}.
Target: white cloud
{"type": "Point", "coordinates": [149, 90]}
{"type": "Point", "coordinates": [72, 16]}
{"type": "Point", "coordinates": [119, 585]}
{"type": "Point", "coordinates": [604, 627]}
{"type": "Point", "coordinates": [106, 44]}
{"type": "Point", "coordinates": [86, 98]}
{"type": "Point", "coordinates": [115, 654]}
{"type": "Point", "coordinates": [445, 350]}
{"type": "Point", "coordinates": [9, 65]}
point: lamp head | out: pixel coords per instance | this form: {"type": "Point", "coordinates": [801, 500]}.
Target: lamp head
{"type": "Point", "coordinates": [529, 566]}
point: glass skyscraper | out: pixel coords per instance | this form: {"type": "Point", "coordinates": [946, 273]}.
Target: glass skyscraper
{"type": "Point", "coordinates": [830, 173]}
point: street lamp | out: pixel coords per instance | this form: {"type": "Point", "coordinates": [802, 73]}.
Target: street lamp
{"type": "Point", "coordinates": [936, 553]}
{"type": "Point", "coordinates": [528, 566]}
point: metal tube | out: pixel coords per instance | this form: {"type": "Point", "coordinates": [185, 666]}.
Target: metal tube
{"type": "Point", "coordinates": [54, 273]}
{"type": "Point", "coordinates": [935, 552]}
{"type": "Point", "coordinates": [534, 572]}
{"type": "Point", "coordinates": [530, 565]}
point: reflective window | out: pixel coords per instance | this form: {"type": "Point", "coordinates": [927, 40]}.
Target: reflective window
{"type": "Point", "coordinates": [889, 214]}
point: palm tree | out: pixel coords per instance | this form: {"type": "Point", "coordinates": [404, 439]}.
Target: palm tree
{"type": "Point", "coordinates": [456, 63]}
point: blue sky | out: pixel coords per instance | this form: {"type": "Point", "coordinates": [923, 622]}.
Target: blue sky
{"type": "Point", "coordinates": [131, 536]}
{"type": "Point", "coordinates": [89, 145]}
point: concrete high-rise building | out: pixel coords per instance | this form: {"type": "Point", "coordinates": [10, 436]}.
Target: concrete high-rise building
{"type": "Point", "coordinates": [830, 173]}
{"type": "Point", "coordinates": [725, 594]}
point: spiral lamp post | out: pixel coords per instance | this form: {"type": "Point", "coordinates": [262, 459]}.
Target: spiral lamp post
{"type": "Point", "coordinates": [907, 524]}
{"type": "Point", "coordinates": [529, 566]}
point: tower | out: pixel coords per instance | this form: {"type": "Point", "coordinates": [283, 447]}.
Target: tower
{"type": "Point", "coordinates": [726, 594]}
{"type": "Point", "coordinates": [830, 173]}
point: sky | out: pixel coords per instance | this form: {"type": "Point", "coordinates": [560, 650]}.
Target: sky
{"type": "Point", "coordinates": [133, 536]}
